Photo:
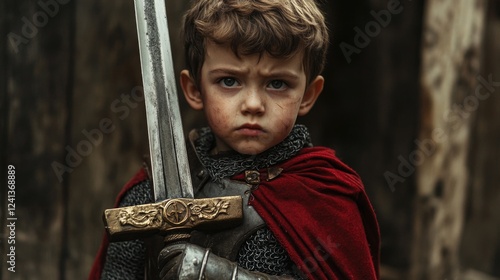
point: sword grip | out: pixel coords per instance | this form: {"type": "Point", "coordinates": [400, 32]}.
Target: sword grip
{"type": "Point", "coordinates": [176, 217]}
{"type": "Point", "coordinates": [177, 237]}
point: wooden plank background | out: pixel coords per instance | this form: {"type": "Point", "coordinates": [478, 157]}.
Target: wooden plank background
{"type": "Point", "coordinates": [71, 100]}
{"type": "Point", "coordinates": [451, 55]}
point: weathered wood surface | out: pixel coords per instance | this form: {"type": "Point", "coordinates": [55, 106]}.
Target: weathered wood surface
{"type": "Point", "coordinates": [451, 52]}
{"type": "Point", "coordinates": [108, 90]}
{"type": "Point", "coordinates": [38, 80]}
{"type": "Point", "coordinates": [480, 246]}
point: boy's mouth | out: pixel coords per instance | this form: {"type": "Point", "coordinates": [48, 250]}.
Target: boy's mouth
{"type": "Point", "coordinates": [250, 129]}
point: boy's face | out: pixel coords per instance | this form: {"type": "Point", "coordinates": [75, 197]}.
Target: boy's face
{"type": "Point", "coordinates": [250, 102]}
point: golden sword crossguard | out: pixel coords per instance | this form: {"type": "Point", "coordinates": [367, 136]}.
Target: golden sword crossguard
{"type": "Point", "coordinates": [172, 216]}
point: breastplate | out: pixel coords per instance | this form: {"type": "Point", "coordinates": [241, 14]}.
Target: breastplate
{"type": "Point", "coordinates": [227, 243]}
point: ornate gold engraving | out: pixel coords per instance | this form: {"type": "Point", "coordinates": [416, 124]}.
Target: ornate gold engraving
{"type": "Point", "coordinates": [140, 217]}
{"type": "Point", "coordinates": [208, 211]}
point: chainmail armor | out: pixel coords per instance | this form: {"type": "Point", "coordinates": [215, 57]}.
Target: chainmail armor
{"type": "Point", "coordinates": [262, 252]}
{"type": "Point", "coordinates": [227, 164]}
{"type": "Point", "coordinates": [125, 260]}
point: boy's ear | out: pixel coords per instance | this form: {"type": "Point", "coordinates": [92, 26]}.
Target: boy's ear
{"type": "Point", "coordinates": [191, 91]}
{"type": "Point", "coordinates": [311, 95]}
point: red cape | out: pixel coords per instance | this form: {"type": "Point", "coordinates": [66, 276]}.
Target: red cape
{"type": "Point", "coordinates": [318, 210]}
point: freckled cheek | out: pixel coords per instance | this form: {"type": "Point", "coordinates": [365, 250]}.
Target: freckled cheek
{"type": "Point", "coordinates": [217, 119]}
{"type": "Point", "coordinates": [287, 126]}
{"type": "Point", "coordinates": [297, 103]}
{"type": "Point", "coordinates": [288, 118]}
{"type": "Point", "coordinates": [292, 105]}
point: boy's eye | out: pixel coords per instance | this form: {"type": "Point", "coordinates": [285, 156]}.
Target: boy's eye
{"type": "Point", "coordinates": [228, 82]}
{"type": "Point", "coordinates": [277, 84]}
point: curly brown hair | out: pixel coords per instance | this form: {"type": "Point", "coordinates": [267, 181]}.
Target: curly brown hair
{"type": "Point", "coordinates": [281, 28]}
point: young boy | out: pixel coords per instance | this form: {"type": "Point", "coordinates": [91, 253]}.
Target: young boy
{"type": "Point", "coordinates": [253, 67]}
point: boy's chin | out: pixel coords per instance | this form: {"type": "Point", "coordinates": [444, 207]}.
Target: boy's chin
{"type": "Point", "coordinates": [250, 151]}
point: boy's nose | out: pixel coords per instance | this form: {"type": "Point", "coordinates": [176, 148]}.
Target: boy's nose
{"type": "Point", "coordinates": [253, 103]}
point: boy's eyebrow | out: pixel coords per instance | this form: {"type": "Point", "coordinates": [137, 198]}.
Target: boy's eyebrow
{"type": "Point", "coordinates": [229, 71]}
{"type": "Point", "coordinates": [278, 73]}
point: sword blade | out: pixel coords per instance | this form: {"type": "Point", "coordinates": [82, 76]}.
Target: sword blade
{"type": "Point", "coordinates": [169, 164]}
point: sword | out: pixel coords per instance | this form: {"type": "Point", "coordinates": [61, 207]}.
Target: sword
{"type": "Point", "coordinates": [166, 138]}
{"type": "Point", "coordinates": [170, 169]}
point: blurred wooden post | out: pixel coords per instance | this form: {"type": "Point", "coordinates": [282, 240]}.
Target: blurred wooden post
{"type": "Point", "coordinates": [480, 248]}
{"type": "Point", "coordinates": [452, 39]}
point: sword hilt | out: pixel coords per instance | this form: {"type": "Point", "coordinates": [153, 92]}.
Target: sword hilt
{"type": "Point", "coordinates": [172, 216]}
